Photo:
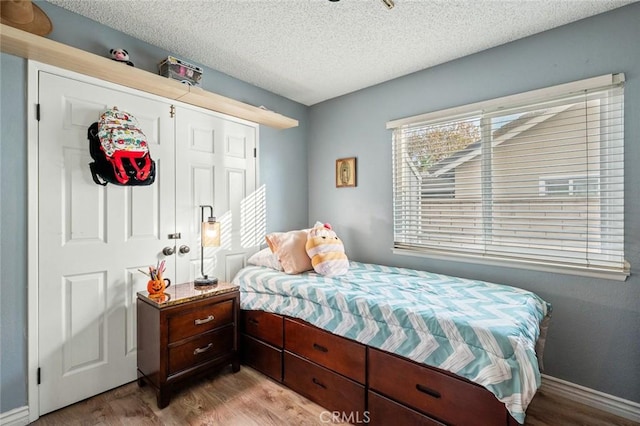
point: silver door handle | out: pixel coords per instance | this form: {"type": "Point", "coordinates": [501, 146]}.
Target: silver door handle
{"type": "Point", "coordinates": [168, 251]}
{"type": "Point", "coordinates": [184, 249]}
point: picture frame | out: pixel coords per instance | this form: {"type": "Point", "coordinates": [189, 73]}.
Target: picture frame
{"type": "Point", "coordinates": [346, 172]}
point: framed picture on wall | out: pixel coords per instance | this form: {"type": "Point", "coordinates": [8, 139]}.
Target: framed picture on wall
{"type": "Point", "coordinates": [345, 172]}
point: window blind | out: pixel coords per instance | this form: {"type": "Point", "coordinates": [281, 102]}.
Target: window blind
{"type": "Point", "coordinates": [530, 179]}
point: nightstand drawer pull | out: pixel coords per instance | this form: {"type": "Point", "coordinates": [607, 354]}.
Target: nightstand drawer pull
{"type": "Point", "coordinates": [201, 350]}
{"type": "Point", "coordinates": [320, 348]}
{"type": "Point", "coordinates": [254, 321]}
{"type": "Point", "coordinates": [204, 321]}
{"type": "Point", "coordinates": [318, 383]}
{"type": "Point", "coordinates": [428, 391]}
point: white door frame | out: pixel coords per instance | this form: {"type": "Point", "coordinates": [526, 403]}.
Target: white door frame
{"type": "Point", "coordinates": [33, 68]}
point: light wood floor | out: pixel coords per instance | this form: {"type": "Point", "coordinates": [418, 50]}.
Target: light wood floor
{"type": "Point", "coordinates": [249, 398]}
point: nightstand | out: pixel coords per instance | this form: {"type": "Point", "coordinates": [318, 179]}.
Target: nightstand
{"type": "Point", "coordinates": [187, 333]}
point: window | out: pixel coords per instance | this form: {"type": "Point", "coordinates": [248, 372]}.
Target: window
{"type": "Point", "coordinates": [534, 179]}
{"type": "Point", "coordinates": [569, 186]}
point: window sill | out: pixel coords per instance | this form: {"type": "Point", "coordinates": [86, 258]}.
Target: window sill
{"type": "Point", "coordinates": [520, 264]}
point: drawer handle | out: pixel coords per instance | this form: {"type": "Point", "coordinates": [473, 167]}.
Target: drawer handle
{"type": "Point", "coordinates": [320, 348]}
{"type": "Point", "coordinates": [204, 321]}
{"type": "Point", "coordinates": [428, 391]}
{"type": "Point", "coordinates": [318, 383]}
{"type": "Point", "coordinates": [201, 350]}
{"type": "Point", "coordinates": [254, 321]}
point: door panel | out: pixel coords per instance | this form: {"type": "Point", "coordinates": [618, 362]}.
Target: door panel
{"type": "Point", "coordinates": [83, 206]}
{"type": "Point", "coordinates": [245, 199]}
{"type": "Point", "coordinates": [197, 142]}
{"type": "Point", "coordinates": [143, 217]}
{"type": "Point", "coordinates": [92, 240]}
{"type": "Point", "coordinates": [84, 306]}
{"type": "Point", "coordinates": [214, 166]}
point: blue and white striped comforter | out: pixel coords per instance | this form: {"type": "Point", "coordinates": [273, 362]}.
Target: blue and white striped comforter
{"type": "Point", "coordinates": [481, 331]}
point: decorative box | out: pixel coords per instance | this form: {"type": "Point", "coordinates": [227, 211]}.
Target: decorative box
{"type": "Point", "coordinates": [180, 70]}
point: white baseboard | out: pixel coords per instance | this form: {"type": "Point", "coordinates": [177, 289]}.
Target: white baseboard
{"type": "Point", "coordinates": [593, 398]}
{"type": "Point", "coordinates": [16, 417]}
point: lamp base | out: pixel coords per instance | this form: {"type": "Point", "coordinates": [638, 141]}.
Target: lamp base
{"type": "Point", "coordinates": [205, 281]}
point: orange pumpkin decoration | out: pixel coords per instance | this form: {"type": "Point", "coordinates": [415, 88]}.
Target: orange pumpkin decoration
{"type": "Point", "coordinates": [158, 286]}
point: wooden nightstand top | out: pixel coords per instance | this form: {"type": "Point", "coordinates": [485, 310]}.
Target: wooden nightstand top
{"type": "Point", "coordinates": [187, 292]}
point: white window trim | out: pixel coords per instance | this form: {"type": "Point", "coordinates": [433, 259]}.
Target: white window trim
{"type": "Point", "coordinates": [513, 100]}
{"type": "Point", "coordinates": [496, 105]}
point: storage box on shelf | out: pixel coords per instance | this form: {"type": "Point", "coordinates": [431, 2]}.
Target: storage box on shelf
{"type": "Point", "coordinates": [180, 70]}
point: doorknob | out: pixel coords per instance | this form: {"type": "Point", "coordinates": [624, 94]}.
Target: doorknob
{"type": "Point", "coordinates": [168, 251]}
{"type": "Point", "coordinates": [184, 249]}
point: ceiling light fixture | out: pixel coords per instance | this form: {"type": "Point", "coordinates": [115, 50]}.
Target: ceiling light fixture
{"type": "Point", "coordinates": [389, 3]}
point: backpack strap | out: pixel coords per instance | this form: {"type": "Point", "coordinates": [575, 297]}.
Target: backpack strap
{"type": "Point", "coordinates": [92, 133]}
{"type": "Point", "coordinates": [94, 174]}
{"type": "Point", "coordinates": [142, 173]}
{"type": "Point", "coordinates": [118, 169]}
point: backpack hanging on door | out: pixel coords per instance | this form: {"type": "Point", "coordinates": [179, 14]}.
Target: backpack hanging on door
{"type": "Point", "coordinates": [120, 150]}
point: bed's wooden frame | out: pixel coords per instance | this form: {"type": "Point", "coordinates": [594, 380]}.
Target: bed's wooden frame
{"type": "Point", "coordinates": [361, 384]}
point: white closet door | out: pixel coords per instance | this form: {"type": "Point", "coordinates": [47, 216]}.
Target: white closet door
{"type": "Point", "coordinates": [215, 166]}
{"type": "Point", "coordinates": [92, 240]}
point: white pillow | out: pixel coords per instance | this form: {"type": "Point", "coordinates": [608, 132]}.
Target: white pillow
{"type": "Point", "coordinates": [267, 258]}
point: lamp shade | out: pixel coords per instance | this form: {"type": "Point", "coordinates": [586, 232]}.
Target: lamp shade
{"type": "Point", "coordinates": [210, 233]}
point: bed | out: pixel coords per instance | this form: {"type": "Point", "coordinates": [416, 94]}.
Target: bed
{"type": "Point", "coordinates": [473, 331]}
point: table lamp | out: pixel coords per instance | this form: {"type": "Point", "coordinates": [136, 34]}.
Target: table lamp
{"type": "Point", "coordinates": [209, 237]}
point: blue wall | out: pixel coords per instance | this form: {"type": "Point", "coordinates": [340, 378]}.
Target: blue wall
{"type": "Point", "coordinates": [282, 157]}
{"type": "Point", "coordinates": [594, 337]}
{"type": "Point", "coordinates": [13, 233]}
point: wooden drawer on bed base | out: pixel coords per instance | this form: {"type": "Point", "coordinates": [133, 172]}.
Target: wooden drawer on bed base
{"type": "Point", "coordinates": [328, 389]}
{"type": "Point", "coordinates": [383, 412]}
{"type": "Point", "coordinates": [452, 400]}
{"type": "Point", "coordinates": [263, 357]}
{"type": "Point", "coordinates": [334, 352]}
{"type": "Point", "coordinates": [264, 326]}
{"type": "Point", "coordinates": [314, 362]}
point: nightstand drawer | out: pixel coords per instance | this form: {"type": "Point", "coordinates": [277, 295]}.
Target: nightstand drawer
{"type": "Point", "coordinates": [201, 349]}
{"type": "Point", "coordinates": [200, 320]}
{"type": "Point", "coordinates": [329, 350]}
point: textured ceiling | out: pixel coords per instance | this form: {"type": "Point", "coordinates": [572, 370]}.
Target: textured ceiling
{"type": "Point", "coordinates": [313, 50]}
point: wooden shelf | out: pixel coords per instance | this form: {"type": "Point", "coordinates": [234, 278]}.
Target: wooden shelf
{"type": "Point", "coordinates": [30, 46]}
